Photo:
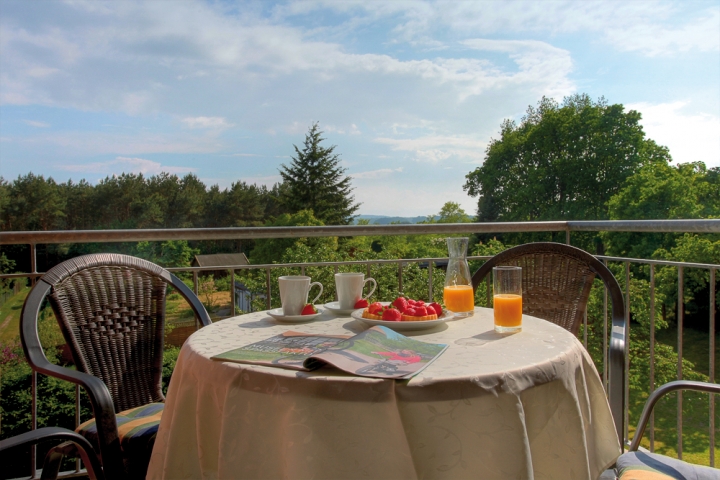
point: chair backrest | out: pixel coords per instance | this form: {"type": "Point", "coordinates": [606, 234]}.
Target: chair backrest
{"type": "Point", "coordinates": [556, 286]}
{"type": "Point", "coordinates": [111, 310]}
{"type": "Point", "coordinates": [556, 280]}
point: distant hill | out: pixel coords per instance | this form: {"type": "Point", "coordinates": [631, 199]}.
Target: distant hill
{"type": "Point", "coordinates": [384, 220]}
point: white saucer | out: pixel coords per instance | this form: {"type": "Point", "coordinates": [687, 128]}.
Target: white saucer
{"type": "Point", "coordinates": [277, 314]}
{"type": "Point", "coordinates": [334, 307]}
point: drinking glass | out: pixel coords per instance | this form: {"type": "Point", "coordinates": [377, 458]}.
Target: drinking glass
{"type": "Point", "coordinates": [507, 299]}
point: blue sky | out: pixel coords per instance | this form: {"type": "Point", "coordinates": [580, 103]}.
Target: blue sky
{"type": "Point", "coordinates": [410, 92]}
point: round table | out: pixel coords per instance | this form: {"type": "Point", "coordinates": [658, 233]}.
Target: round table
{"type": "Point", "coordinates": [528, 405]}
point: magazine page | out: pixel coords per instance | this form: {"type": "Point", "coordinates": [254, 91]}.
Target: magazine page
{"type": "Point", "coordinates": [288, 350]}
{"type": "Point", "coordinates": [379, 352]}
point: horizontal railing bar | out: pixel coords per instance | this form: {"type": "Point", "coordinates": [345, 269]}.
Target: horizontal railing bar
{"type": "Point", "coordinates": [669, 263]}
{"type": "Point", "coordinates": [249, 233]}
{"type": "Point", "coordinates": [282, 265]}
{"type": "Point", "coordinates": [645, 226]}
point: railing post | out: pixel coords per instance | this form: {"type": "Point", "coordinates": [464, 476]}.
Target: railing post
{"type": "Point", "coordinates": [33, 425]}
{"type": "Point", "coordinates": [627, 351]}
{"type": "Point", "coordinates": [233, 300]}
{"type": "Point", "coordinates": [680, 319]}
{"type": "Point", "coordinates": [33, 264]}
{"type": "Point", "coordinates": [652, 353]}
{"type": "Point", "coordinates": [605, 334]}
{"type": "Point", "coordinates": [77, 419]}
{"type": "Point", "coordinates": [712, 366]}
{"type": "Point", "coordinates": [267, 288]}
{"type": "Point", "coordinates": [400, 284]}
{"type": "Point", "coordinates": [430, 282]}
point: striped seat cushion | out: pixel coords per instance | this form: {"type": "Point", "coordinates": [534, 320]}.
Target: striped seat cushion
{"type": "Point", "coordinates": [651, 466]}
{"type": "Point", "coordinates": [137, 428]}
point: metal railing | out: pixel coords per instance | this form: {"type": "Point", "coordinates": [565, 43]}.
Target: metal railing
{"type": "Point", "coordinates": [646, 226]}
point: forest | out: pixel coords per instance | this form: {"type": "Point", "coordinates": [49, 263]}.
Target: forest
{"type": "Point", "coordinates": [577, 159]}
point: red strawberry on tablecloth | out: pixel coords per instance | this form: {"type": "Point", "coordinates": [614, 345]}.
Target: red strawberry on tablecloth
{"type": "Point", "coordinates": [362, 303]}
{"type": "Point", "coordinates": [309, 309]}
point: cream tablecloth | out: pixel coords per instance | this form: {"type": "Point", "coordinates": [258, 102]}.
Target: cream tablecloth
{"type": "Point", "coordinates": [529, 405]}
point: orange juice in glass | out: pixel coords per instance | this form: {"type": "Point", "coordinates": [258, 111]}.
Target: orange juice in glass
{"type": "Point", "coordinates": [507, 299]}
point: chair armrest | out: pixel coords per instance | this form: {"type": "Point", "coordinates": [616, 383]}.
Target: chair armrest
{"type": "Point", "coordinates": [100, 399]}
{"type": "Point", "coordinates": [83, 446]}
{"type": "Point", "coordinates": [659, 393]}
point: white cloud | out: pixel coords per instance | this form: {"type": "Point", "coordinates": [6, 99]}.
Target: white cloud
{"type": "Point", "coordinates": [126, 165]}
{"type": "Point", "coordinates": [383, 172]}
{"type": "Point", "coordinates": [206, 122]}
{"type": "Point", "coordinates": [691, 137]}
{"type": "Point", "coordinates": [651, 27]}
{"type": "Point", "coordinates": [409, 198]}
{"type": "Point", "coordinates": [36, 124]}
{"type": "Point", "coordinates": [103, 143]}
{"type": "Point", "coordinates": [438, 148]}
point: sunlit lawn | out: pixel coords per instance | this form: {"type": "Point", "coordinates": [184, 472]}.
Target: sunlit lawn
{"type": "Point", "coordinates": [696, 438]}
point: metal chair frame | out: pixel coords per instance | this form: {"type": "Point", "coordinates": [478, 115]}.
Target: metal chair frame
{"type": "Point", "coordinates": [103, 404]}
{"type": "Point", "coordinates": [73, 444]}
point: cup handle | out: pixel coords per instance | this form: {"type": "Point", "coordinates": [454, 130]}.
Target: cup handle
{"type": "Point", "coordinates": [370, 279]}
{"type": "Point", "coordinates": [319, 294]}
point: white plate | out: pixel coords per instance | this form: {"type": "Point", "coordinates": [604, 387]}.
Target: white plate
{"type": "Point", "coordinates": [402, 326]}
{"type": "Point", "coordinates": [334, 307]}
{"type": "Point", "coordinates": [278, 315]}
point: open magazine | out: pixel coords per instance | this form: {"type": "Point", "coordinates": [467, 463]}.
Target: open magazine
{"type": "Point", "coordinates": [376, 352]}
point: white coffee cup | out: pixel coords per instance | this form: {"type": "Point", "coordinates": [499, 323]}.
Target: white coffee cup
{"type": "Point", "coordinates": [350, 287]}
{"type": "Point", "coordinates": [294, 291]}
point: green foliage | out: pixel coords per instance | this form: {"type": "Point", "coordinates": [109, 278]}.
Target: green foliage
{"type": "Point", "coordinates": [661, 191]}
{"type": "Point", "coordinates": [272, 250]}
{"type": "Point", "coordinates": [451, 212]}
{"type": "Point", "coordinates": [315, 181]}
{"type": "Point", "coordinates": [173, 253]}
{"type": "Point", "coordinates": [695, 249]}
{"type": "Point", "coordinates": [562, 162]}
{"type": "Point", "coordinates": [170, 356]}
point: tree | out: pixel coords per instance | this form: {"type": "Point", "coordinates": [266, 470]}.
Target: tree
{"type": "Point", "coordinates": [272, 250]}
{"type": "Point", "coordinates": [451, 212]}
{"type": "Point", "coordinates": [316, 181]}
{"type": "Point", "coordinates": [661, 191]}
{"type": "Point", "coordinates": [562, 162]}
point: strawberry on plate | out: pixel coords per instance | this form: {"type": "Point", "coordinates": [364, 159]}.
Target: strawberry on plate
{"type": "Point", "coordinates": [392, 315]}
{"type": "Point", "coordinates": [309, 309]}
{"type": "Point", "coordinates": [437, 307]}
{"type": "Point", "coordinates": [401, 303]}
{"type": "Point", "coordinates": [375, 307]}
{"type": "Point", "coordinates": [362, 303]}
{"type": "Point", "coordinates": [409, 311]}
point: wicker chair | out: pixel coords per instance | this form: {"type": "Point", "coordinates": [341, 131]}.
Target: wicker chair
{"type": "Point", "coordinates": [556, 286]}
{"type": "Point", "coordinates": [73, 445]}
{"type": "Point", "coordinates": [111, 310]}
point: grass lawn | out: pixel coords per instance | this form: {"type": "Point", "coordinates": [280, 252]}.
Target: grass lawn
{"type": "Point", "coordinates": [10, 316]}
{"type": "Point", "coordinates": [696, 439]}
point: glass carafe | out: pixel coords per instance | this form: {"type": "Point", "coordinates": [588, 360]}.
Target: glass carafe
{"type": "Point", "coordinates": [458, 294]}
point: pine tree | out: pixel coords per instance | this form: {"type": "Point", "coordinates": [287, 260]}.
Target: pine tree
{"type": "Point", "coordinates": [315, 181]}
